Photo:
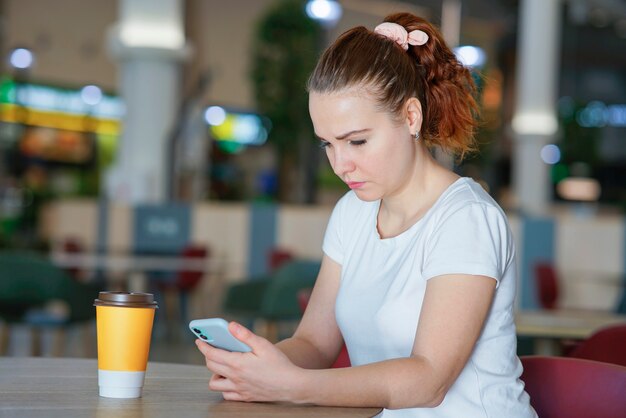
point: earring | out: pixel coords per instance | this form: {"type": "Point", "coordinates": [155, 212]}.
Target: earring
{"type": "Point", "coordinates": [417, 135]}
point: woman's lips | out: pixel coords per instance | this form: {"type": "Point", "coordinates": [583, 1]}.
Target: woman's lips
{"type": "Point", "coordinates": [355, 184]}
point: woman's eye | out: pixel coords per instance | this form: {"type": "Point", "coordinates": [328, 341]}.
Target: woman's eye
{"type": "Point", "coordinates": [358, 142]}
{"type": "Point", "coordinates": [324, 144]}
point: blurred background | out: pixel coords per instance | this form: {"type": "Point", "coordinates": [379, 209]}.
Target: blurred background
{"type": "Point", "coordinates": [165, 146]}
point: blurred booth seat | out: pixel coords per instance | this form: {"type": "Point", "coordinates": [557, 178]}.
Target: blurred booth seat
{"type": "Point", "coordinates": [36, 293]}
{"type": "Point", "coordinates": [272, 298]}
{"type": "Point", "coordinates": [562, 387]}
{"type": "Point", "coordinates": [607, 345]}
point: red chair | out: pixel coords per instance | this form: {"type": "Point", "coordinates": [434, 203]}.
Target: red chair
{"type": "Point", "coordinates": [547, 284]}
{"type": "Point", "coordinates": [73, 246]}
{"type": "Point", "coordinates": [561, 387]}
{"type": "Point", "coordinates": [343, 359]}
{"type": "Point", "coordinates": [277, 257]}
{"type": "Point", "coordinates": [184, 281]}
{"type": "Point", "coordinates": [607, 345]}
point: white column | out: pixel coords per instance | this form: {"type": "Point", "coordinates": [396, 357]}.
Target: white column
{"type": "Point", "coordinates": [451, 22]}
{"type": "Point", "coordinates": [148, 41]}
{"type": "Point", "coordinates": [534, 121]}
{"type": "Point", "coordinates": [451, 31]}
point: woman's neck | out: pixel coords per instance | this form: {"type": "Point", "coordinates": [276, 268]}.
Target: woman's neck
{"type": "Point", "coordinates": [399, 212]}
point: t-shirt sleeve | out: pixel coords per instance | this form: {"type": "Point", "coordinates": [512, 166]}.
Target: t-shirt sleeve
{"type": "Point", "coordinates": [472, 240]}
{"type": "Point", "coordinates": [333, 244]}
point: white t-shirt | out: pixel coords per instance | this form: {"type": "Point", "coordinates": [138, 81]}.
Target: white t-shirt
{"type": "Point", "coordinates": [382, 288]}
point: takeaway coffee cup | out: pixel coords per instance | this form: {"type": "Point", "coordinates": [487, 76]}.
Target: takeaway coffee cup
{"type": "Point", "coordinates": [124, 323]}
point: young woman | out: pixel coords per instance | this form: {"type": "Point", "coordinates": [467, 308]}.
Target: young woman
{"type": "Point", "coordinates": [418, 273]}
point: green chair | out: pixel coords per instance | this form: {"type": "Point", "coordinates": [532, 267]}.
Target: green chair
{"type": "Point", "coordinates": [273, 298]}
{"type": "Point", "coordinates": [28, 284]}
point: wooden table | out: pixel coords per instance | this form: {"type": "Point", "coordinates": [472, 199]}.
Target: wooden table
{"type": "Point", "coordinates": [550, 326]}
{"type": "Point", "coordinates": [64, 387]}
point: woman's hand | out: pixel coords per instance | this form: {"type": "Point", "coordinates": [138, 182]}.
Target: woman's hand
{"type": "Point", "coordinates": [263, 375]}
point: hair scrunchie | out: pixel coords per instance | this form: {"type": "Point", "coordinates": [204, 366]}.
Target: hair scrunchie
{"type": "Point", "coordinates": [400, 35]}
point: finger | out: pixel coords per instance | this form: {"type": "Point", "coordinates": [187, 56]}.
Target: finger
{"type": "Point", "coordinates": [232, 396]}
{"type": "Point", "coordinates": [217, 376]}
{"type": "Point", "coordinates": [212, 353]}
{"type": "Point", "coordinates": [218, 368]}
{"type": "Point", "coordinates": [221, 384]}
{"type": "Point", "coordinates": [246, 336]}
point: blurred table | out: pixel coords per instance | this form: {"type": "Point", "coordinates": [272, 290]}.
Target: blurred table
{"type": "Point", "coordinates": [64, 387]}
{"type": "Point", "coordinates": [548, 327]}
{"type": "Point", "coordinates": [134, 266]}
{"type": "Point", "coordinates": [130, 262]}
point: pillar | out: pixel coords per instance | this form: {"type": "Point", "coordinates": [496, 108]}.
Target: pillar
{"type": "Point", "coordinates": [451, 30]}
{"type": "Point", "coordinates": [149, 44]}
{"type": "Point", "coordinates": [534, 121]}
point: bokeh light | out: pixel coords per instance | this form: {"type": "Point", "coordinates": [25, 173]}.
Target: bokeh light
{"type": "Point", "coordinates": [91, 95]}
{"type": "Point", "coordinates": [21, 58]}
{"type": "Point", "coordinates": [550, 154]}
{"type": "Point", "coordinates": [215, 115]}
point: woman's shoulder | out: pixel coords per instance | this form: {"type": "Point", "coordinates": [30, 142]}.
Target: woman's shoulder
{"type": "Point", "coordinates": [466, 194]}
{"type": "Point", "coordinates": [466, 191]}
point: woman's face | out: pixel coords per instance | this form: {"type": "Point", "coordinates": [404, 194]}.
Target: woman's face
{"type": "Point", "coordinates": [373, 154]}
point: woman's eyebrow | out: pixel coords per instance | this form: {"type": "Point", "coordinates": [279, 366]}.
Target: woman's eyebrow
{"type": "Point", "coordinates": [347, 134]}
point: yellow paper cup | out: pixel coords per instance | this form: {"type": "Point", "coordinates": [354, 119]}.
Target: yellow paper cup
{"type": "Point", "coordinates": [124, 323]}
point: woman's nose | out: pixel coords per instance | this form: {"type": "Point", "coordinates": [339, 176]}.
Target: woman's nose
{"type": "Point", "coordinates": [342, 163]}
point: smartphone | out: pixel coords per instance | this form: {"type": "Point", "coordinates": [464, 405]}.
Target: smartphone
{"type": "Point", "coordinates": [214, 331]}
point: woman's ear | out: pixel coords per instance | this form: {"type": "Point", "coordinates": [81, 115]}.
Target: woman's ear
{"type": "Point", "coordinates": [413, 112]}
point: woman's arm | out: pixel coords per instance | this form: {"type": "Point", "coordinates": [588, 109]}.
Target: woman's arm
{"type": "Point", "coordinates": [317, 340]}
{"type": "Point", "coordinates": [453, 313]}
{"type": "Point", "coordinates": [454, 310]}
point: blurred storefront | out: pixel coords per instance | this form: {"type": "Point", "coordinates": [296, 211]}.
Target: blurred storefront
{"type": "Point", "coordinates": [55, 143]}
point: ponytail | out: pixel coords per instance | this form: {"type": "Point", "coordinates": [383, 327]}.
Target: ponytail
{"type": "Point", "coordinates": [450, 109]}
